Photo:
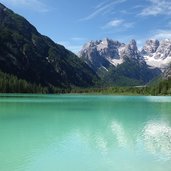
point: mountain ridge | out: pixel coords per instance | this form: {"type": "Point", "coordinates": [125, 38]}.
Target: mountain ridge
{"type": "Point", "coordinates": [152, 48]}
{"type": "Point", "coordinates": [157, 53]}
{"type": "Point", "coordinates": [26, 53]}
{"type": "Point", "coordinates": [120, 58]}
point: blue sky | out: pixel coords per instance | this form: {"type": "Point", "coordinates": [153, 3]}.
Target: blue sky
{"type": "Point", "coordinates": [74, 22]}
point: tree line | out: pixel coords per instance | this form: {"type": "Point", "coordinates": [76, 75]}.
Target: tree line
{"type": "Point", "coordinates": [12, 84]}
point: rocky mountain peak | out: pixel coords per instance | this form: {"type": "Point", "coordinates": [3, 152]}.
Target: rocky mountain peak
{"type": "Point", "coordinates": [101, 53]}
{"type": "Point", "coordinates": [107, 52]}
{"type": "Point", "coordinates": [130, 51]}
{"type": "Point", "coordinates": [157, 53]}
{"type": "Point", "coordinates": [106, 41]}
{"type": "Point", "coordinates": [115, 61]}
{"type": "Point", "coordinates": [150, 46]}
{"type": "Point", "coordinates": [164, 50]}
{"type": "Point", "coordinates": [133, 44]}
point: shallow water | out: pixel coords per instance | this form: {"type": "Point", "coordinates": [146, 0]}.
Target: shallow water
{"type": "Point", "coordinates": [84, 133]}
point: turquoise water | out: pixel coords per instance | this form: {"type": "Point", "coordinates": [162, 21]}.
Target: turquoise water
{"type": "Point", "coordinates": [84, 133]}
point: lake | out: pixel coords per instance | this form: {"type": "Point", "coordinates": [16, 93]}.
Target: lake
{"type": "Point", "coordinates": [85, 133]}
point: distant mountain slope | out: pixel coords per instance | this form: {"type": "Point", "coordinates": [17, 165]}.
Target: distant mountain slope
{"type": "Point", "coordinates": [117, 63]}
{"type": "Point", "coordinates": [26, 53]}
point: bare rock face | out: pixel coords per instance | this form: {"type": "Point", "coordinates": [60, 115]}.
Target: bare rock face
{"type": "Point", "coordinates": [131, 51]}
{"type": "Point", "coordinates": [109, 49]}
{"type": "Point", "coordinates": [157, 54]}
{"type": "Point", "coordinates": [164, 50]}
{"type": "Point", "coordinates": [117, 62]}
{"type": "Point", "coordinates": [107, 52]}
{"type": "Point", "coordinates": [150, 47]}
{"type": "Point", "coordinates": [101, 53]}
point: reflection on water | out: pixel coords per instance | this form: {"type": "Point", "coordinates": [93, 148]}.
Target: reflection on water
{"type": "Point", "coordinates": [87, 133]}
{"type": "Point", "coordinates": [157, 138]}
{"type": "Point", "coordinates": [119, 133]}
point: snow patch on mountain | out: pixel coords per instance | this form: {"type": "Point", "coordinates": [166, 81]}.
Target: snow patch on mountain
{"type": "Point", "coordinates": [157, 54]}
{"type": "Point", "coordinates": [157, 63]}
{"type": "Point", "coordinates": [107, 52]}
{"type": "Point", "coordinates": [116, 62]}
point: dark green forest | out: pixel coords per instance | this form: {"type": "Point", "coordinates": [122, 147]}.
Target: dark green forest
{"type": "Point", "coordinates": [161, 88]}
{"type": "Point", "coordinates": [12, 84]}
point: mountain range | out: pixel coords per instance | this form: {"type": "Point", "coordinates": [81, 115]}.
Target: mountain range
{"type": "Point", "coordinates": [31, 56]}
{"type": "Point", "coordinates": [115, 62]}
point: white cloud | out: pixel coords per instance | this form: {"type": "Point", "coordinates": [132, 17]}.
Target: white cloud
{"type": "Point", "coordinates": [162, 34]}
{"type": "Point", "coordinates": [35, 5]}
{"type": "Point", "coordinates": [114, 23]}
{"type": "Point", "coordinates": [157, 7]}
{"type": "Point", "coordinates": [101, 8]}
{"type": "Point", "coordinates": [100, 5]}
{"type": "Point", "coordinates": [118, 23]}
